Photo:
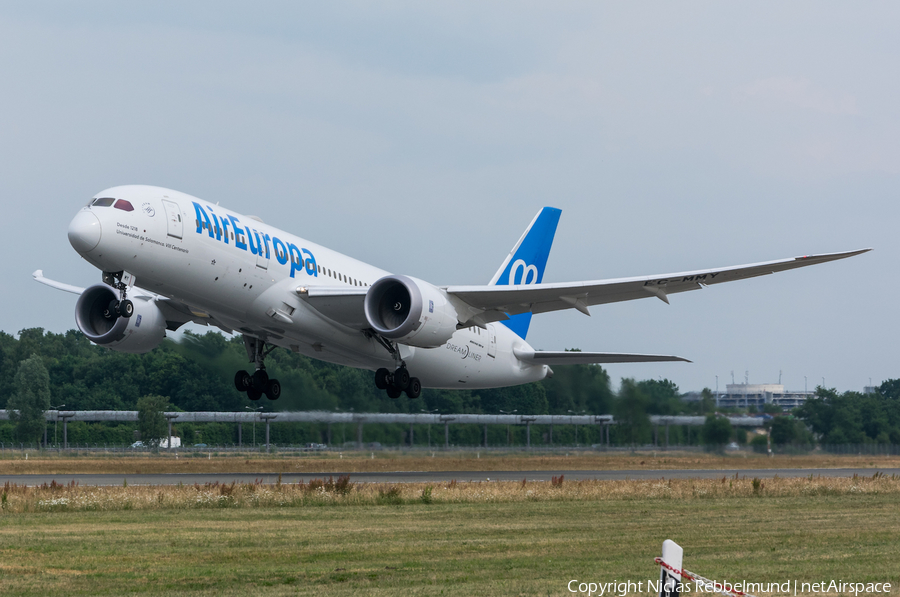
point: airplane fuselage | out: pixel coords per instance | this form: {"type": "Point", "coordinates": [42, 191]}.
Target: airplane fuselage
{"type": "Point", "coordinates": [243, 275]}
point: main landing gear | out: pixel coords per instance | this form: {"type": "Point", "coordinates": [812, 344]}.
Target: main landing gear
{"type": "Point", "coordinates": [398, 382]}
{"type": "Point", "coordinates": [117, 308]}
{"type": "Point", "coordinates": [259, 383]}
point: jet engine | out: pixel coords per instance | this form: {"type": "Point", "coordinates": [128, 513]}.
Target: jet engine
{"type": "Point", "coordinates": [410, 311]}
{"type": "Point", "coordinates": [139, 333]}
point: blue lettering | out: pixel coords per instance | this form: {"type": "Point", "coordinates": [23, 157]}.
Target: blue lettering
{"type": "Point", "coordinates": [225, 228]}
{"type": "Point", "coordinates": [238, 231]}
{"type": "Point", "coordinates": [296, 259]}
{"type": "Point", "coordinates": [202, 219]}
{"type": "Point", "coordinates": [218, 229]}
{"type": "Point", "coordinates": [280, 250]}
{"type": "Point", "coordinates": [311, 268]}
{"type": "Point", "coordinates": [266, 243]}
{"type": "Point", "coordinates": [257, 248]}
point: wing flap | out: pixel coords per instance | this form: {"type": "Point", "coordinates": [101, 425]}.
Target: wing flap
{"type": "Point", "coordinates": [338, 303]}
{"type": "Point", "coordinates": [543, 357]}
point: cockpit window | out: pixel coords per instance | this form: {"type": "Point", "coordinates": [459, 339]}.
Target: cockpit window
{"type": "Point", "coordinates": [123, 205]}
{"type": "Point", "coordinates": [103, 202]}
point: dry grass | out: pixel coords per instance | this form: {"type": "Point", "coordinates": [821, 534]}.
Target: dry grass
{"type": "Point", "coordinates": [359, 462]}
{"type": "Point", "coordinates": [342, 492]}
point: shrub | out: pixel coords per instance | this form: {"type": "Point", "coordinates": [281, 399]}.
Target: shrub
{"type": "Point", "coordinates": [760, 444]}
{"type": "Point", "coordinates": [390, 496]}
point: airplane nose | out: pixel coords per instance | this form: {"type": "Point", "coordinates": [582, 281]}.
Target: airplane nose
{"type": "Point", "coordinates": [84, 231]}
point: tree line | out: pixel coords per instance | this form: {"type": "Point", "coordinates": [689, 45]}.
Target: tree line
{"type": "Point", "coordinates": [42, 370]}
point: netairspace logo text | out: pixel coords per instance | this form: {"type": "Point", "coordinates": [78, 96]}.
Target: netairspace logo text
{"type": "Point", "coordinates": [618, 588]}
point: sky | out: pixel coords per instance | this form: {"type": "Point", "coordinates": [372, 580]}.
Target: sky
{"type": "Point", "coordinates": [423, 138]}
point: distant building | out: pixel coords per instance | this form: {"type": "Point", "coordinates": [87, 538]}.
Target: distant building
{"type": "Point", "coordinates": [741, 395]}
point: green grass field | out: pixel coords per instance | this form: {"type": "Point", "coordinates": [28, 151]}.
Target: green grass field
{"type": "Point", "coordinates": [498, 547]}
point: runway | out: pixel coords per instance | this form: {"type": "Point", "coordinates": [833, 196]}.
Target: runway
{"type": "Point", "coordinates": [433, 476]}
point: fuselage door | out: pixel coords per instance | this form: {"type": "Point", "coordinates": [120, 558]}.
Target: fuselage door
{"type": "Point", "coordinates": [173, 217]}
{"type": "Point", "coordinates": [492, 343]}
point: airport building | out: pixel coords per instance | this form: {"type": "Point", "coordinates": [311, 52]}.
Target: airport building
{"type": "Point", "coordinates": [743, 395]}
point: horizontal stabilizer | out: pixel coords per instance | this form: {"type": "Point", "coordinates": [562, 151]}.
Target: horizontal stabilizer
{"type": "Point", "coordinates": [545, 357]}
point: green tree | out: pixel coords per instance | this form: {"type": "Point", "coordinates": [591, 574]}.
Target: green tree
{"type": "Point", "coordinates": [632, 422]}
{"type": "Point", "coordinates": [716, 431]}
{"type": "Point", "coordinates": [577, 388]}
{"type": "Point", "coordinates": [151, 421]}
{"type": "Point", "coordinates": [662, 395]}
{"type": "Point", "coordinates": [782, 431]}
{"type": "Point", "coordinates": [26, 407]}
{"type": "Point", "coordinates": [707, 402]}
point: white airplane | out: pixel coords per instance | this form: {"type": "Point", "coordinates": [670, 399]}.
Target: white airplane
{"type": "Point", "coordinates": [169, 258]}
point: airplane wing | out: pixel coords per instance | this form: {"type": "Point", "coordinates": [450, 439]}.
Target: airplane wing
{"type": "Point", "coordinates": [176, 312]}
{"type": "Point", "coordinates": [39, 276]}
{"type": "Point", "coordinates": [495, 303]}
{"type": "Point", "coordinates": [545, 357]}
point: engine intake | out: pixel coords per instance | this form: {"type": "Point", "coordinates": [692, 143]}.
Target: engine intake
{"type": "Point", "coordinates": [142, 332]}
{"type": "Point", "coordinates": [410, 311]}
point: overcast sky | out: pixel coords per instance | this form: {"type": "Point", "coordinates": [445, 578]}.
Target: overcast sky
{"type": "Point", "coordinates": [423, 138]}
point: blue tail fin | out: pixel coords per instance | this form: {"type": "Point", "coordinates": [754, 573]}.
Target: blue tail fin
{"type": "Point", "coordinates": [527, 261]}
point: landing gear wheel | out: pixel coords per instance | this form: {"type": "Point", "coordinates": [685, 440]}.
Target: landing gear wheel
{"type": "Point", "coordinates": [273, 389]}
{"type": "Point", "coordinates": [242, 381]}
{"type": "Point", "coordinates": [112, 311]}
{"type": "Point", "coordinates": [401, 379]}
{"type": "Point", "coordinates": [259, 380]}
{"type": "Point", "coordinates": [393, 393]}
{"type": "Point", "coordinates": [414, 389]}
{"type": "Point", "coordinates": [382, 379]}
{"type": "Point", "coordinates": [253, 394]}
{"type": "Point", "coordinates": [125, 308]}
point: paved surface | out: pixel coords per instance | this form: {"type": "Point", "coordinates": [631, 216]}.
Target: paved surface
{"type": "Point", "coordinates": [436, 476]}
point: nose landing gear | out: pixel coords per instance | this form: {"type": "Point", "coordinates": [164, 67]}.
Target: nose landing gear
{"type": "Point", "coordinates": [123, 307]}
{"type": "Point", "coordinates": [259, 383]}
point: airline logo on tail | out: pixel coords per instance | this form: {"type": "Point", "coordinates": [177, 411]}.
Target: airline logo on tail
{"type": "Point", "coordinates": [526, 270]}
{"type": "Point", "coordinates": [527, 261]}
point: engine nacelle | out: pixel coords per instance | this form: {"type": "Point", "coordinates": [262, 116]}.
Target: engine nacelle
{"type": "Point", "coordinates": [142, 332]}
{"type": "Point", "coordinates": [410, 311]}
